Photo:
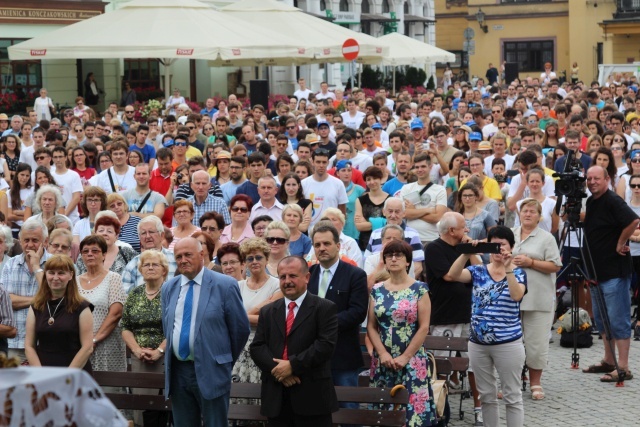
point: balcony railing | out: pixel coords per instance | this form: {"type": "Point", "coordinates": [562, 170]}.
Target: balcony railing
{"type": "Point", "coordinates": [628, 6]}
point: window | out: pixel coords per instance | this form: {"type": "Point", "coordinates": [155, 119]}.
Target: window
{"type": "Point", "coordinates": [628, 5]}
{"type": "Point", "coordinates": [530, 55]}
{"type": "Point", "coordinates": [525, 1]}
{"type": "Point", "coordinates": [142, 73]}
{"type": "Point", "coordinates": [385, 6]}
{"type": "Point", "coordinates": [20, 77]}
{"type": "Point", "coordinates": [344, 6]}
{"type": "Point", "coordinates": [365, 6]}
{"type": "Point", "coordinates": [323, 5]}
{"type": "Point", "coordinates": [406, 8]}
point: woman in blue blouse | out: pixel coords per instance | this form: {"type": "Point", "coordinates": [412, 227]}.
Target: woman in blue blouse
{"type": "Point", "coordinates": [496, 332]}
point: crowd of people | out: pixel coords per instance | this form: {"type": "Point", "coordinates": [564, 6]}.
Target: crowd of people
{"type": "Point", "coordinates": [109, 223]}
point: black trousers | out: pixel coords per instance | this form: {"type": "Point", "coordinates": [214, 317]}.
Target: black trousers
{"type": "Point", "coordinates": [288, 419]}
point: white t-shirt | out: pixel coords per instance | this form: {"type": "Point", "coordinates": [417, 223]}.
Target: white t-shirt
{"type": "Point", "coordinates": [548, 205]}
{"type": "Point", "coordinates": [372, 153]}
{"type": "Point", "coordinates": [436, 195]}
{"type": "Point", "coordinates": [508, 160]}
{"type": "Point", "coordinates": [352, 122]}
{"type": "Point", "coordinates": [548, 189]}
{"type": "Point", "coordinates": [122, 183]}
{"type": "Point", "coordinates": [324, 194]}
{"type": "Point", "coordinates": [302, 94]}
{"type": "Point", "coordinates": [328, 95]}
{"type": "Point", "coordinates": [24, 194]}
{"type": "Point", "coordinates": [360, 161]}
{"type": "Point", "coordinates": [69, 183]}
{"type": "Point", "coordinates": [26, 156]}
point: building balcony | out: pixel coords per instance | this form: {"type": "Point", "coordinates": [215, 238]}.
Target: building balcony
{"type": "Point", "coordinates": [627, 9]}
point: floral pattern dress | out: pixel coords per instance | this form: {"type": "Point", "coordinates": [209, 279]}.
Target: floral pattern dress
{"type": "Point", "coordinates": [397, 316]}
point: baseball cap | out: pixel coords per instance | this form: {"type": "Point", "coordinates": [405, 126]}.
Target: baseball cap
{"type": "Point", "coordinates": [416, 124]}
{"type": "Point", "coordinates": [342, 164]}
{"type": "Point", "coordinates": [323, 123]}
{"type": "Point", "coordinates": [465, 128]}
{"type": "Point", "coordinates": [312, 138]}
{"type": "Point", "coordinates": [376, 126]}
{"type": "Point", "coordinates": [485, 96]}
{"type": "Point", "coordinates": [475, 136]}
{"type": "Point", "coordinates": [484, 145]}
{"type": "Point", "coordinates": [223, 155]}
{"type": "Point", "coordinates": [168, 143]}
{"type": "Point", "coordinates": [471, 123]}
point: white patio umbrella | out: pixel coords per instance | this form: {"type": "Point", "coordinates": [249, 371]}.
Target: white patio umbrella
{"type": "Point", "coordinates": [167, 29]}
{"type": "Point", "coordinates": [321, 37]}
{"type": "Point", "coordinates": [405, 50]}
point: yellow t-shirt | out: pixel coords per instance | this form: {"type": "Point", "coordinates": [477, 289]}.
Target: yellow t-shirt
{"type": "Point", "coordinates": [490, 187]}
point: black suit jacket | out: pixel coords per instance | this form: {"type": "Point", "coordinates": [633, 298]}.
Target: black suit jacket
{"type": "Point", "coordinates": [311, 343]}
{"type": "Point", "coordinates": [348, 290]}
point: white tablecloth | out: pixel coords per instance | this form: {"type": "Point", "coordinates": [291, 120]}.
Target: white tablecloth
{"type": "Point", "coordinates": [54, 397]}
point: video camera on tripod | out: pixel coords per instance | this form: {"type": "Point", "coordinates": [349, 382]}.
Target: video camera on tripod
{"type": "Point", "coordinates": [570, 184]}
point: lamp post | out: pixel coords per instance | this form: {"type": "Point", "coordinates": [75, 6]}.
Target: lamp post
{"type": "Point", "coordinates": [480, 18]}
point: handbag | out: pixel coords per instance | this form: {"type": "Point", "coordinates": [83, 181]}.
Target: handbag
{"type": "Point", "coordinates": [438, 387]}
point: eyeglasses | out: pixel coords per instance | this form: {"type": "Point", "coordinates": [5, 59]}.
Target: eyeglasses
{"type": "Point", "coordinates": [191, 127]}
{"type": "Point", "coordinates": [635, 160]}
{"type": "Point", "coordinates": [79, 130]}
{"type": "Point", "coordinates": [634, 185]}
{"type": "Point", "coordinates": [59, 246]}
{"type": "Point", "coordinates": [151, 265]}
{"type": "Point", "coordinates": [277, 240]}
{"type": "Point", "coordinates": [211, 228]}
{"type": "Point", "coordinates": [254, 258]}
{"type": "Point", "coordinates": [618, 140]}
{"type": "Point", "coordinates": [91, 251]}
{"type": "Point", "coordinates": [148, 233]}
{"type": "Point", "coordinates": [468, 196]}
{"type": "Point", "coordinates": [182, 212]}
{"type": "Point", "coordinates": [335, 122]}
{"type": "Point", "coordinates": [94, 201]}
{"type": "Point", "coordinates": [616, 149]}
{"type": "Point", "coordinates": [230, 263]}
{"type": "Point", "coordinates": [394, 255]}
{"type": "Point", "coordinates": [42, 157]}
{"type": "Point", "coordinates": [239, 209]}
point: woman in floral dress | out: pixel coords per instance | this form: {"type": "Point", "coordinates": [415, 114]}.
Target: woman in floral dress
{"type": "Point", "coordinates": [398, 325]}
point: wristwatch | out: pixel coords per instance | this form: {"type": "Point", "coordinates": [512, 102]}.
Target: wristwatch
{"type": "Point", "coordinates": [38, 271]}
{"type": "Point", "coordinates": [160, 350]}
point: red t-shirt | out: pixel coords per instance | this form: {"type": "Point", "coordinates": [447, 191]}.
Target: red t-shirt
{"type": "Point", "coordinates": [160, 184]}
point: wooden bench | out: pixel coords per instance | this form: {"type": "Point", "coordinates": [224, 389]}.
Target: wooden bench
{"type": "Point", "coordinates": [395, 415]}
{"type": "Point", "coordinates": [452, 345]}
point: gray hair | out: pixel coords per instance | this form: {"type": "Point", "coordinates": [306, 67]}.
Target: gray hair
{"type": "Point", "coordinates": [391, 227]}
{"type": "Point", "coordinates": [56, 120]}
{"type": "Point", "coordinates": [448, 220]}
{"type": "Point", "coordinates": [8, 237]}
{"type": "Point", "coordinates": [393, 199]}
{"type": "Point", "coordinates": [153, 219]}
{"type": "Point", "coordinates": [109, 213]}
{"type": "Point", "coordinates": [33, 224]}
{"type": "Point", "coordinates": [59, 218]}
{"type": "Point", "coordinates": [293, 207]}
{"type": "Point", "coordinates": [17, 116]}
{"type": "Point", "coordinates": [49, 188]}
{"type": "Point", "coordinates": [268, 177]}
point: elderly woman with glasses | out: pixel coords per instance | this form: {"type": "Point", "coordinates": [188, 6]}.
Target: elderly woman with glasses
{"type": "Point", "coordinates": [231, 260]}
{"type": "Point", "coordinates": [257, 291]}
{"type": "Point", "coordinates": [183, 212]}
{"type": "Point", "coordinates": [240, 228]}
{"type": "Point", "coordinates": [48, 199]}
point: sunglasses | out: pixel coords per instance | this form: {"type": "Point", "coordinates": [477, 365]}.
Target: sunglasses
{"type": "Point", "coordinates": [128, 112]}
{"type": "Point", "coordinates": [180, 144]}
{"type": "Point", "coordinates": [211, 228]}
{"type": "Point", "coordinates": [635, 160]}
{"type": "Point", "coordinates": [634, 185]}
{"type": "Point", "coordinates": [278, 240]}
{"type": "Point", "coordinates": [41, 157]}
{"type": "Point", "coordinates": [239, 209]}
{"type": "Point", "coordinates": [254, 258]}
{"type": "Point", "coordinates": [291, 127]}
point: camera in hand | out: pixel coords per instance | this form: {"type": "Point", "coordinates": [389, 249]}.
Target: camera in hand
{"type": "Point", "coordinates": [480, 248]}
{"type": "Point", "coordinates": [180, 176]}
{"type": "Point", "coordinates": [500, 178]}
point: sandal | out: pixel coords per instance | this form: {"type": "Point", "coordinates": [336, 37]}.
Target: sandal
{"type": "Point", "coordinates": [602, 368]}
{"type": "Point", "coordinates": [612, 377]}
{"type": "Point", "coordinates": [536, 392]}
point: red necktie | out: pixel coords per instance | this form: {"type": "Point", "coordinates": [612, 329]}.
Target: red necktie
{"type": "Point", "coordinates": [290, 319]}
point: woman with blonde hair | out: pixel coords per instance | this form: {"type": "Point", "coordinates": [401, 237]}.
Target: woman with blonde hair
{"type": "Point", "coordinates": [299, 244]}
{"type": "Point", "coordinates": [128, 223]}
{"type": "Point", "coordinates": [277, 236]}
{"type": "Point", "coordinates": [59, 323]}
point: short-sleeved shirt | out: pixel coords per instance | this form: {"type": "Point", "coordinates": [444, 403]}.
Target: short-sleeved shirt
{"type": "Point", "coordinates": [605, 219]}
{"type": "Point", "coordinates": [324, 194]}
{"type": "Point", "coordinates": [148, 151]}
{"type": "Point", "coordinates": [411, 236]}
{"type": "Point", "coordinates": [450, 301]}
{"type": "Point", "coordinates": [143, 318]}
{"type": "Point", "coordinates": [134, 200]}
{"type": "Point", "coordinates": [495, 316]}
{"type": "Point", "coordinates": [436, 195]}
{"type": "Point", "coordinates": [121, 183]}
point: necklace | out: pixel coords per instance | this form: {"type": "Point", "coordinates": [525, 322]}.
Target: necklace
{"type": "Point", "coordinates": [150, 294]}
{"type": "Point", "coordinates": [86, 277]}
{"type": "Point", "coordinates": [51, 320]}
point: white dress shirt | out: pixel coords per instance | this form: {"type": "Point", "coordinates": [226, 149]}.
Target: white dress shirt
{"type": "Point", "coordinates": [177, 321]}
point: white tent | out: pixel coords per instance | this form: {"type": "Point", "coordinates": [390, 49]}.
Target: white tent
{"type": "Point", "coordinates": [405, 50]}
{"type": "Point", "coordinates": [321, 37]}
{"type": "Point", "coordinates": [167, 29]}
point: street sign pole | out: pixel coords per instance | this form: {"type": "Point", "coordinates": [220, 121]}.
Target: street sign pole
{"type": "Point", "coordinates": [350, 51]}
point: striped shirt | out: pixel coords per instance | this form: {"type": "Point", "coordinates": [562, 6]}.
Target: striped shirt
{"type": "Point", "coordinates": [209, 204]}
{"type": "Point", "coordinates": [129, 232]}
{"type": "Point", "coordinates": [131, 276]}
{"type": "Point", "coordinates": [185, 191]}
{"type": "Point", "coordinates": [495, 316]}
{"type": "Point", "coordinates": [18, 280]}
{"type": "Point", "coordinates": [411, 236]}
{"type": "Point", "coordinates": [6, 315]}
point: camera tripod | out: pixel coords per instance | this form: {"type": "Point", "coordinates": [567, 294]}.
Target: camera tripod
{"type": "Point", "coordinates": [579, 269]}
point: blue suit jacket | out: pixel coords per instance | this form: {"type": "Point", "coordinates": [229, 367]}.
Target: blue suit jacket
{"type": "Point", "coordinates": [222, 329]}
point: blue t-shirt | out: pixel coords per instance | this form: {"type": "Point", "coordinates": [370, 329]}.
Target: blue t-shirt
{"type": "Point", "coordinates": [300, 247]}
{"type": "Point", "coordinates": [250, 189]}
{"type": "Point", "coordinates": [495, 316]}
{"type": "Point", "coordinates": [148, 152]}
{"type": "Point", "coordinates": [393, 187]}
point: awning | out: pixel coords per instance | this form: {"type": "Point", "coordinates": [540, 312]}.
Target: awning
{"type": "Point", "coordinates": [321, 16]}
{"type": "Point", "coordinates": [372, 17]}
{"type": "Point", "coordinates": [416, 18]}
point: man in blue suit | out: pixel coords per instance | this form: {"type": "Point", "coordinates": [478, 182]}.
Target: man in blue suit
{"type": "Point", "coordinates": [206, 328]}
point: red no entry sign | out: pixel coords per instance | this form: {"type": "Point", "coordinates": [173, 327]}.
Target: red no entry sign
{"type": "Point", "coordinates": [350, 49]}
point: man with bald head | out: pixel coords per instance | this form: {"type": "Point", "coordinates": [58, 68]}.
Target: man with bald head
{"type": "Point", "coordinates": [206, 328]}
{"type": "Point", "coordinates": [609, 224]}
{"type": "Point", "coordinates": [203, 201]}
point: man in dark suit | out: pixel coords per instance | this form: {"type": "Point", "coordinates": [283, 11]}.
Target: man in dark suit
{"type": "Point", "coordinates": [206, 328]}
{"type": "Point", "coordinates": [346, 286]}
{"type": "Point", "coordinates": [294, 341]}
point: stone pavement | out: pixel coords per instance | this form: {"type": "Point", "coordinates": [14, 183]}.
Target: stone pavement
{"type": "Point", "coordinates": [573, 399]}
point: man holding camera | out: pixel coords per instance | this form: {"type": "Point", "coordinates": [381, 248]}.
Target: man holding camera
{"type": "Point", "coordinates": [609, 223]}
